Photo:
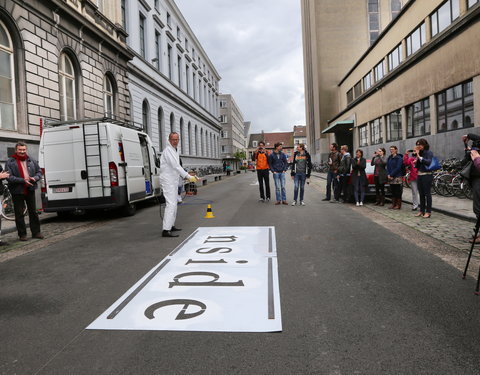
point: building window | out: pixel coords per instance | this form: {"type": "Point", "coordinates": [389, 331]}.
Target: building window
{"type": "Point", "coordinates": [255, 144]}
{"type": "Point", "coordinates": [182, 140]}
{"type": "Point", "coordinates": [142, 35]}
{"type": "Point", "coordinates": [379, 71]}
{"type": "Point", "coordinates": [395, 7]}
{"type": "Point", "coordinates": [160, 128]}
{"type": "Point", "coordinates": [444, 16]}
{"type": "Point", "coordinates": [223, 104]}
{"type": "Point", "coordinates": [157, 50]}
{"type": "Point", "coordinates": [179, 34]}
{"type": "Point", "coordinates": [157, 5]}
{"type": "Point", "coordinates": [223, 119]}
{"type": "Point", "coordinates": [394, 126]}
{"type": "Point", "coordinates": [471, 3]}
{"type": "Point", "coordinates": [108, 97]}
{"type": "Point", "coordinates": [67, 88]}
{"type": "Point", "coordinates": [367, 81]}
{"type": "Point", "coordinates": [172, 123]}
{"type": "Point", "coordinates": [363, 132]}
{"type": "Point", "coordinates": [179, 68]}
{"type": "Point", "coordinates": [187, 47]}
{"type": "Point", "coordinates": [187, 81]}
{"type": "Point", "coordinates": [395, 58]}
{"type": "Point", "coordinates": [169, 20]}
{"type": "Point", "coordinates": [169, 57]}
{"type": "Point", "coordinates": [123, 6]}
{"type": "Point", "coordinates": [224, 149]}
{"type": "Point", "coordinates": [418, 119]}
{"type": "Point", "coordinates": [145, 116]}
{"type": "Point", "coordinates": [455, 107]}
{"type": "Point", "coordinates": [373, 20]}
{"type": "Point", "coordinates": [7, 81]}
{"type": "Point", "coordinates": [189, 130]}
{"type": "Point", "coordinates": [416, 39]}
{"type": "Point", "coordinates": [194, 83]}
{"type": "Point", "coordinates": [376, 131]}
{"type": "Point", "coordinates": [357, 89]}
{"type": "Point", "coordinates": [349, 96]}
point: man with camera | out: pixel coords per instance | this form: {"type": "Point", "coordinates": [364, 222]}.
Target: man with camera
{"type": "Point", "coordinates": [260, 157]}
{"type": "Point", "coordinates": [24, 173]}
{"type": "Point", "coordinates": [472, 152]}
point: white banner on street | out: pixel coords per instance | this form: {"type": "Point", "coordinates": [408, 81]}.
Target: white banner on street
{"type": "Point", "coordinates": [218, 279]}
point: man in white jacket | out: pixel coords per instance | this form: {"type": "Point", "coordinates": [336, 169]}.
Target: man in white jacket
{"type": "Point", "coordinates": [170, 172]}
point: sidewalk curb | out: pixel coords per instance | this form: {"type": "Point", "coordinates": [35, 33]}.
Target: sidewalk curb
{"type": "Point", "coordinates": [48, 215]}
{"type": "Point", "coordinates": [440, 210]}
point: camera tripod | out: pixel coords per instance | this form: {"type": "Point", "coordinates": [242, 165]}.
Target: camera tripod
{"type": "Point", "coordinates": [475, 234]}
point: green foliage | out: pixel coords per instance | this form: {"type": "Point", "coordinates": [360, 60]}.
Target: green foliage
{"type": "Point", "coordinates": [240, 155]}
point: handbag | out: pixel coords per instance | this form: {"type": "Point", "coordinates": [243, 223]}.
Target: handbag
{"type": "Point", "coordinates": [434, 165]}
{"type": "Point", "coordinates": [467, 170]}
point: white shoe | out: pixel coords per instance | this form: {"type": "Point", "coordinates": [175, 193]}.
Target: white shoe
{"type": "Point", "coordinates": [358, 204]}
{"type": "Point", "coordinates": [361, 203]}
{"type": "Point", "coordinates": [294, 203]}
{"type": "Point", "coordinates": [302, 203]}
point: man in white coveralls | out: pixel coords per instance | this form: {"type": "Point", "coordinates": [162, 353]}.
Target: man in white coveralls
{"type": "Point", "coordinates": [170, 172]}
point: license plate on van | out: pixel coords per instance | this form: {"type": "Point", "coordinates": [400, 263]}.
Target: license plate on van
{"type": "Point", "coordinates": [62, 189]}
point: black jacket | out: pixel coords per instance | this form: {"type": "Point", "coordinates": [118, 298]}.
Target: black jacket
{"type": "Point", "coordinates": [309, 163]}
{"type": "Point", "coordinates": [15, 181]}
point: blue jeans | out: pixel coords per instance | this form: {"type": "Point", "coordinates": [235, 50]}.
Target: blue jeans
{"type": "Point", "coordinates": [280, 192]}
{"type": "Point", "coordinates": [332, 180]}
{"type": "Point", "coordinates": [299, 182]}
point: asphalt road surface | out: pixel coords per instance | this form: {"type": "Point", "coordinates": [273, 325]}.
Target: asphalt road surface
{"type": "Point", "coordinates": [356, 298]}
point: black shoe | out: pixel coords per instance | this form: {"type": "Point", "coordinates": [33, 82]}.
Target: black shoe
{"type": "Point", "coordinates": [167, 233]}
{"type": "Point", "coordinates": [175, 229]}
{"type": "Point", "coordinates": [23, 238]}
{"type": "Point", "coordinates": [325, 199]}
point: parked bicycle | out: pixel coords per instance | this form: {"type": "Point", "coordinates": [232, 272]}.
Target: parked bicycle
{"type": "Point", "coordinates": [6, 208]}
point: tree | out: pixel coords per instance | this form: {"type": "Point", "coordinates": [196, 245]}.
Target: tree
{"type": "Point", "coordinates": [240, 155]}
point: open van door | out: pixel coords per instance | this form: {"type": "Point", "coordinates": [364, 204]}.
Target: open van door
{"type": "Point", "coordinates": [134, 165]}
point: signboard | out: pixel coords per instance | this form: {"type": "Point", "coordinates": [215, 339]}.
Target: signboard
{"type": "Point", "coordinates": [218, 279]}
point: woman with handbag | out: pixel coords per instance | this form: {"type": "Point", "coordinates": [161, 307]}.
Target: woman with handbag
{"type": "Point", "coordinates": [395, 177]}
{"type": "Point", "coordinates": [424, 158]}
{"type": "Point", "coordinates": [359, 178]}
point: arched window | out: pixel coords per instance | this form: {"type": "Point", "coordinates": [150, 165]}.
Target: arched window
{"type": "Point", "coordinates": [145, 116]}
{"type": "Point", "coordinates": [182, 141]}
{"type": "Point", "coordinates": [201, 143]}
{"type": "Point", "coordinates": [66, 72]}
{"type": "Point", "coordinates": [172, 123]}
{"type": "Point", "coordinates": [196, 141]}
{"type": "Point", "coordinates": [189, 130]}
{"type": "Point", "coordinates": [7, 82]}
{"type": "Point", "coordinates": [161, 131]}
{"type": "Point", "coordinates": [108, 97]}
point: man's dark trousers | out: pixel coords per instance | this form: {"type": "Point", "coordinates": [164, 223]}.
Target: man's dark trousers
{"type": "Point", "coordinates": [19, 201]}
{"type": "Point", "coordinates": [331, 180]}
{"type": "Point", "coordinates": [264, 176]}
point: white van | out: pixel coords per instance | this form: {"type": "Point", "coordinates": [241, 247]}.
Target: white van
{"type": "Point", "coordinates": [92, 164]}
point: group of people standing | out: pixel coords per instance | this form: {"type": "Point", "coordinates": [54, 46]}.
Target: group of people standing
{"type": "Point", "coordinates": [389, 170]}
{"type": "Point", "coordinates": [276, 162]}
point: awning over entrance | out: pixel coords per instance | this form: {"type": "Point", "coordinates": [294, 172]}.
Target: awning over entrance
{"type": "Point", "coordinates": [339, 126]}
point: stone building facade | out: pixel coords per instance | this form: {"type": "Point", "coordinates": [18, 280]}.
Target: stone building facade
{"type": "Point", "coordinates": [173, 84]}
{"type": "Point", "coordinates": [60, 60]}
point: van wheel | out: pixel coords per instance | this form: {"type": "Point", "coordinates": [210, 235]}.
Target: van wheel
{"type": "Point", "coordinates": [129, 209]}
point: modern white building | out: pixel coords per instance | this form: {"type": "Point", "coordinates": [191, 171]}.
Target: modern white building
{"type": "Point", "coordinates": [172, 82]}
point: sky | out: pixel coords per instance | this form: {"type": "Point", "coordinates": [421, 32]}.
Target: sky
{"type": "Point", "coordinates": [256, 47]}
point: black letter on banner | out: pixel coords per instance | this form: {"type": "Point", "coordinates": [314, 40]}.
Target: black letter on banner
{"type": "Point", "coordinates": [182, 315]}
{"type": "Point", "coordinates": [214, 250]}
{"type": "Point", "coordinates": [205, 283]}
{"type": "Point", "coordinates": [225, 239]}
{"type": "Point", "coordinates": [190, 261]}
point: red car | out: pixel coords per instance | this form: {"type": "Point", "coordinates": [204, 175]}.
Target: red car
{"type": "Point", "coordinates": [370, 187]}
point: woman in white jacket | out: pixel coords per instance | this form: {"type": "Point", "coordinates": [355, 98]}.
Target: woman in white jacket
{"type": "Point", "coordinates": [170, 172]}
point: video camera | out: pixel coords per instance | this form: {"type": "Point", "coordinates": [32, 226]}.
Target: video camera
{"type": "Point", "coordinates": [475, 145]}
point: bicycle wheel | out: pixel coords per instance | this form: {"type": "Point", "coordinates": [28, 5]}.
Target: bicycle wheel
{"type": "Point", "coordinates": [442, 185]}
{"type": "Point", "coordinates": [7, 210]}
{"type": "Point", "coordinates": [456, 185]}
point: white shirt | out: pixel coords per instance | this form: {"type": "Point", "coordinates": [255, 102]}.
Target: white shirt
{"type": "Point", "coordinates": [170, 168]}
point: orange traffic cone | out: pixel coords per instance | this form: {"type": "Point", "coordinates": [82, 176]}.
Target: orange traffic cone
{"type": "Point", "coordinates": [209, 214]}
